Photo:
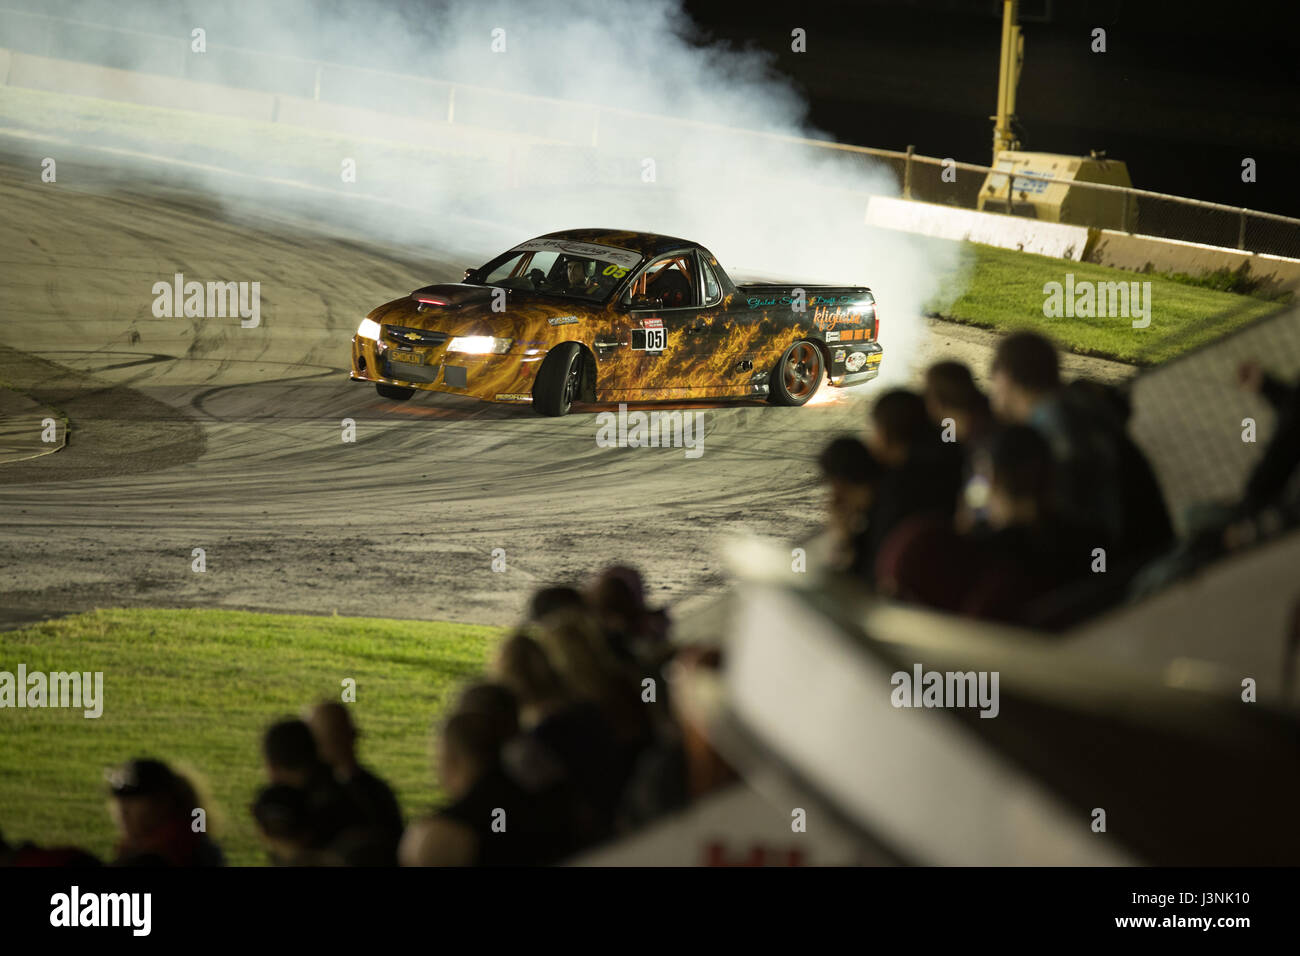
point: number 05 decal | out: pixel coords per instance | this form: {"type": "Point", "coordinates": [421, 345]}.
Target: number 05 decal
{"type": "Point", "coordinates": [648, 340]}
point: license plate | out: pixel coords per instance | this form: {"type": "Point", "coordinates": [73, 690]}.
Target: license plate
{"type": "Point", "coordinates": [410, 358]}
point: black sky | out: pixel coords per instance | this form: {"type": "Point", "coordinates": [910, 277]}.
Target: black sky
{"type": "Point", "coordinates": [1184, 92]}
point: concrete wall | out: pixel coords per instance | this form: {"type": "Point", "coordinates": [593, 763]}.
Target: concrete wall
{"type": "Point", "coordinates": [1127, 251]}
{"type": "Point", "coordinates": [948, 222]}
{"type": "Point", "coordinates": [1100, 246]}
{"type": "Point", "coordinates": [82, 79]}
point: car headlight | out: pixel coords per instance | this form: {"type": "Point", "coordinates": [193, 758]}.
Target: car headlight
{"type": "Point", "coordinates": [479, 345]}
{"type": "Point", "coordinates": [368, 329]}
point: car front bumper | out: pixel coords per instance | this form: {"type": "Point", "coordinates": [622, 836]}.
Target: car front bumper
{"type": "Point", "coordinates": [491, 378]}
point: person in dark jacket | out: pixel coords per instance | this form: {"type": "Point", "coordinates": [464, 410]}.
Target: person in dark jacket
{"type": "Point", "coordinates": [851, 474]}
{"type": "Point", "coordinates": [1028, 549]}
{"type": "Point", "coordinates": [1024, 552]}
{"type": "Point", "coordinates": [951, 396]}
{"type": "Point", "coordinates": [336, 740]}
{"type": "Point", "coordinates": [963, 415]}
{"type": "Point", "coordinates": [1104, 482]}
{"type": "Point", "coordinates": [922, 473]}
{"type": "Point", "coordinates": [292, 759]}
{"type": "Point", "coordinates": [490, 820]}
{"type": "Point", "coordinates": [153, 807]}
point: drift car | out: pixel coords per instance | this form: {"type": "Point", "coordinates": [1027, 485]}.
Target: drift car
{"type": "Point", "coordinates": [597, 315]}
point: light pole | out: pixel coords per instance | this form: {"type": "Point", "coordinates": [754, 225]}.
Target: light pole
{"type": "Point", "coordinates": [1013, 55]}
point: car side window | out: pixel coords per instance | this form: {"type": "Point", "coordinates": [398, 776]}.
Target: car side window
{"type": "Point", "coordinates": [712, 291]}
{"type": "Point", "coordinates": [670, 279]}
{"type": "Point", "coordinates": [543, 263]}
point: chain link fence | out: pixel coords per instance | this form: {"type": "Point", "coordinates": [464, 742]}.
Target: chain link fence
{"type": "Point", "coordinates": [1188, 414]}
{"type": "Point", "coordinates": [1123, 208]}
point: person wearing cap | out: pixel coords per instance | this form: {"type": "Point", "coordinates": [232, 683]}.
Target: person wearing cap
{"type": "Point", "coordinates": [153, 808]}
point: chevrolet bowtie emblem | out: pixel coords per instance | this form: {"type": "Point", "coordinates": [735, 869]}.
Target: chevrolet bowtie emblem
{"type": "Point", "coordinates": [413, 336]}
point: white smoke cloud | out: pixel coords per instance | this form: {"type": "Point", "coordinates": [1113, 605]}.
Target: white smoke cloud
{"type": "Point", "coordinates": [598, 75]}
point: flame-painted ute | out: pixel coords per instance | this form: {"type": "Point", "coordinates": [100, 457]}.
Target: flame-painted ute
{"type": "Point", "coordinates": [600, 315]}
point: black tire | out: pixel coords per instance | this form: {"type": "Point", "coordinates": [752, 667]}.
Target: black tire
{"type": "Point", "coordinates": [396, 392]}
{"type": "Point", "coordinates": [797, 376]}
{"type": "Point", "coordinates": [559, 380]}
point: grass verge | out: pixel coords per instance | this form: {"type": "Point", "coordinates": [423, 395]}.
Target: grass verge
{"type": "Point", "coordinates": [1003, 289]}
{"type": "Point", "coordinates": [197, 688]}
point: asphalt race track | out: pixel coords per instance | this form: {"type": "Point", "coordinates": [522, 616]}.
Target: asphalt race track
{"type": "Point", "coordinates": [196, 433]}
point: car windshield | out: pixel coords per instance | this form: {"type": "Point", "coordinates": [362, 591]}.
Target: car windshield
{"type": "Point", "coordinates": [576, 270]}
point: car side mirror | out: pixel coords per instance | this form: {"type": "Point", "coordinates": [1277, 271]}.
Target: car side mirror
{"type": "Point", "coordinates": [472, 275]}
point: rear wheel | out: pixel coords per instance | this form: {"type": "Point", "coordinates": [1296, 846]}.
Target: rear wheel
{"type": "Point", "coordinates": [797, 375]}
{"type": "Point", "coordinates": [559, 380]}
{"type": "Point", "coordinates": [396, 392]}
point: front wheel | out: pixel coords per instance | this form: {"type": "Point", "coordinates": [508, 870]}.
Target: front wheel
{"type": "Point", "coordinates": [797, 375]}
{"type": "Point", "coordinates": [396, 392]}
{"type": "Point", "coordinates": [559, 380]}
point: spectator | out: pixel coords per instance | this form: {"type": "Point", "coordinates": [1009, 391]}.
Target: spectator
{"type": "Point", "coordinates": [635, 634]}
{"type": "Point", "coordinates": [496, 701]}
{"type": "Point", "coordinates": [292, 760]}
{"type": "Point", "coordinates": [1028, 549]}
{"type": "Point", "coordinates": [1103, 479]}
{"type": "Point", "coordinates": [924, 561]}
{"type": "Point", "coordinates": [284, 826]}
{"type": "Point", "coordinates": [336, 740]}
{"type": "Point", "coordinates": [528, 759]}
{"type": "Point", "coordinates": [489, 820]}
{"type": "Point", "coordinates": [29, 854]}
{"type": "Point", "coordinates": [851, 474]}
{"type": "Point", "coordinates": [1025, 552]}
{"type": "Point", "coordinates": [574, 647]}
{"type": "Point", "coordinates": [565, 742]}
{"type": "Point", "coordinates": [558, 598]}
{"type": "Point", "coordinates": [922, 473]}
{"type": "Point", "coordinates": [153, 808]}
{"type": "Point", "coordinates": [962, 412]}
{"type": "Point", "coordinates": [951, 395]}
{"type": "Point", "coordinates": [523, 668]}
